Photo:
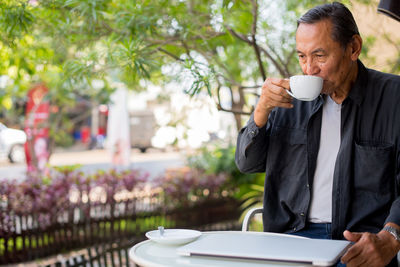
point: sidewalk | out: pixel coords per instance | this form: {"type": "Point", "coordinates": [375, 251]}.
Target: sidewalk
{"type": "Point", "coordinates": [96, 156]}
{"type": "Point", "coordinates": [154, 161]}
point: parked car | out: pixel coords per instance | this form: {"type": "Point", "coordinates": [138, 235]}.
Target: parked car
{"type": "Point", "coordinates": [12, 144]}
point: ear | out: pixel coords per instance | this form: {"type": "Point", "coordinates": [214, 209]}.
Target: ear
{"type": "Point", "coordinates": [355, 47]}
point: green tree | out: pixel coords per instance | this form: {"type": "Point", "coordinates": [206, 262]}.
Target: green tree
{"type": "Point", "coordinates": [224, 47]}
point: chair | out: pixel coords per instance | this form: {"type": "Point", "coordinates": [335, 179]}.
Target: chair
{"type": "Point", "coordinates": [250, 214]}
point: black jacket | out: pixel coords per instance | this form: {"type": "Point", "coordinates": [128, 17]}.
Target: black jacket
{"type": "Point", "coordinates": [367, 171]}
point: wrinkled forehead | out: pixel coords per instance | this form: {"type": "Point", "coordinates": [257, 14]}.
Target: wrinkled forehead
{"type": "Point", "coordinates": [314, 36]}
{"type": "Point", "coordinates": [322, 27]}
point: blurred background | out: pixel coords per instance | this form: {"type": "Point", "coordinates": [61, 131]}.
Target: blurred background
{"type": "Point", "coordinates": [111, 97]}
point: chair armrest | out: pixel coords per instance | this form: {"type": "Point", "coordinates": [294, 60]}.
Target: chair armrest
{"type": "Point", "coordinates": [248, 216]}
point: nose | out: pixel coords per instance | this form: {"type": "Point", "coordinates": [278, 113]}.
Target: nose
{"type": "Point", "coordinates": [311, 68]}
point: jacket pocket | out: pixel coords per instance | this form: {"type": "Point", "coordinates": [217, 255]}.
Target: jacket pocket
{"type": "Point", "coordinates": [374, 167]}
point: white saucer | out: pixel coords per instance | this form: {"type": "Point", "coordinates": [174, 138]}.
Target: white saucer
{"type": "Point", "coordinates": [173, 236]}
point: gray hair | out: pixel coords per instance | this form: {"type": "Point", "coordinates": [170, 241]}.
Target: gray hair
{"type": "Point", "coordinates": [344, 26]}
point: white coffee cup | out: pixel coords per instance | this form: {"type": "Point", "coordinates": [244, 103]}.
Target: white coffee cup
{"type": "Point", "coordinates": [305, 87]}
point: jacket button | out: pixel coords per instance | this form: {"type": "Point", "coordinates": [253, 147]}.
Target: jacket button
{"type": "Point", "coordinates": [302, 214]}
{"type": "Point", "coordinates": [308, 185]}
{"type": "Point", "coordinates": [294, 229]}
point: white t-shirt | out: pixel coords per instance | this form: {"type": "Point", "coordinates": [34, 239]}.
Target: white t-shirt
{"type": "Point", "coordinates": [321, 198]}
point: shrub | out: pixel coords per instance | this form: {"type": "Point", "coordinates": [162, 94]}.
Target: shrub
{"type": "Point", "coordinates": [50, 199]}
{"type": "Point", "coordinates": [218, 159]}
{"type": "Point", "coordinates": [186, 186]}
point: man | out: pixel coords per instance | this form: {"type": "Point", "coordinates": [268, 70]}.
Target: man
{"type": "Point", "coordinates": [332, 164]}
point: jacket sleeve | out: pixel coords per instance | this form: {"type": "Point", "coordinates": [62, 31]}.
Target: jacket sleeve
{"type": "Point", "coordinates": [394, 214]}
{"type": "Point", "coordinates": [251, 148]}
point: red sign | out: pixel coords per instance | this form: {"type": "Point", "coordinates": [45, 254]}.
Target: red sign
{"type": "Point", "coordinates": [37, 128]}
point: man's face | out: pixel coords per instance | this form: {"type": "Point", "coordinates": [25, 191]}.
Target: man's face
{"type": "Point", "coordinates": [321, 56]}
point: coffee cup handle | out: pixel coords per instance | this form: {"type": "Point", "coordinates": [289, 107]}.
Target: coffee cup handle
{"type": "Point", "coordinates": [290, 93]}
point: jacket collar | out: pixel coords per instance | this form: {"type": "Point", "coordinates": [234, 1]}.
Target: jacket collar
{"type": "Point", "coordinates": [357, 92]}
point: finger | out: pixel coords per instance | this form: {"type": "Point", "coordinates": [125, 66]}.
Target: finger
{"type": "Point", "coordinates": [276, 83]}
{"type": "Point", "coordinates": [351, 255]}
{"type": "Point", "coordinates": [352, 236]}
{"type": "Point", "coordinates": [280, 104]}
{"type": "Point", "coordinates": [354, 250]}
{"type": "Point", "coordinates": [272, 83]}
{"type": "Point", "coordinates": [363, 262]}
{"type": "Point", "coordinates": [275, 93]}
{"type": "Point", "coordinates": [281, 92]}
{"type": "Point", "coordinates": [358, 261]}
{"type": "Point", "coordinates": [280, 96]}
{"type": "Point", "coordinates": [281, 82]}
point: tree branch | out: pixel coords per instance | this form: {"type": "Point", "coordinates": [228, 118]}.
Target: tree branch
{"type": "Point", "coordinates": [254, 41]}
{"type": "Point", "coordinates": [276, 64]}
{"type": "Point", "coordinates": [169, 54]}
{"type": "Point", "coordinates": [163, 40]}
{"type": "Point", "coordinates": [250, 42]}
{"type": "Point", "coordinates": [234, 111]}
{"type": "Point", "coordinates": [215, 59]}
{"type": "Point", "coordinates": [238, 35]}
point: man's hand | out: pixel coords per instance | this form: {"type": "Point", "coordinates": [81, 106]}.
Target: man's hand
{"type": "Point", "coordinates": [273, 95]}
{"type": "Point", "coordinates": [370, 249]}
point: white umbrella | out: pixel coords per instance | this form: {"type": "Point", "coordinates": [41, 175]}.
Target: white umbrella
{"type": "Point", "coordinates": [118, 140]}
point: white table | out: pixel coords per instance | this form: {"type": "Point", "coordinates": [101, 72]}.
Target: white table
{"type": "Point", "coordinates": [151, 254]}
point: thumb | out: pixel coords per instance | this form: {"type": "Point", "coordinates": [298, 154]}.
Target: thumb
{"type": "Point", "coordinates": [353, 237]}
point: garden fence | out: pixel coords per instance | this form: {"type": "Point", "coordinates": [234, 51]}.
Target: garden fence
{"type": "Point", "coordinates": [29, 237]}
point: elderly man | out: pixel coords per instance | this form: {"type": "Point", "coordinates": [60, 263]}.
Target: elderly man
{"type": "Point", "coordinates": [332, 164]}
